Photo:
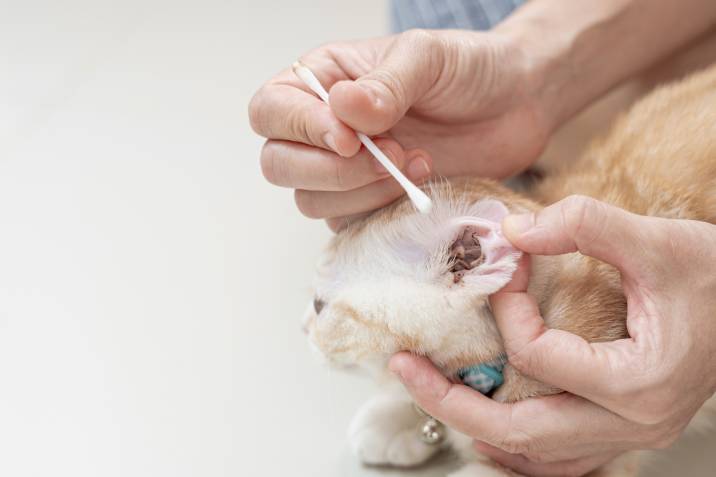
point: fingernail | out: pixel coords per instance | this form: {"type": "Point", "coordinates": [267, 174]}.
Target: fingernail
{"type": "Point", "coordinates": [397, 374]}
{"type": "Point", "coordinates": [379, 167]}
{"type": "Point", "coordinates": [518, 224]}
{"type": "Point", "coordinates": [394, 368]}
{"type": "Point", "coordinates": [330, 141]}
{"type": "Point", "coordinates": [418, 169]}
{"type": "Point", "coordinates": [369, 91]}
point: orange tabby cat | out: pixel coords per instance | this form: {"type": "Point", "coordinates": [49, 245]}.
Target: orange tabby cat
{"type": "Point", "coordinates": [400, 280]}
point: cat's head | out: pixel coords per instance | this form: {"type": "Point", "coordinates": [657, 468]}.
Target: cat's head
{"type": "Point", "coordinates": [401, 280]}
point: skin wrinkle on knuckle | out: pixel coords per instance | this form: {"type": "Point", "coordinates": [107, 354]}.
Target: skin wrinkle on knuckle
{"type": "Point", "coordinates": [339, 175]}
{"type": "Point", "coordinates": [528, 358]}
{"type": "Point", "coordinates": [267, 159]}
{"type": "Point", "coordinates": [274, 170]}
{"type": "Point", "coordinates": [513, 441]}
{"type": "Point", "coordinates": [412, 40]}
{"type": "Point", "coordinates": [443, 399]}
{"type": "Point", "coordinates": [296, 122]}
{"type": "Point", "coordinates": [257, 112]}
{"type": "Point", "coordinates": [517, 442]}
{"type": "Point", "coordinates": [576, 213]}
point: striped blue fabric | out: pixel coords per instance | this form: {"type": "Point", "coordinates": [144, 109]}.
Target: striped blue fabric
{"type": "Point", "coordinates": [460, 14]}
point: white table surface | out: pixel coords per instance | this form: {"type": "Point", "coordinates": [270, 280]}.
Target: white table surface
{"type": "Point", "coordinates": [150, 281]}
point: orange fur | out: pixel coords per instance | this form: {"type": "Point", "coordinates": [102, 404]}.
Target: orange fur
{"type": "Point", "coordinates": [659, 159]}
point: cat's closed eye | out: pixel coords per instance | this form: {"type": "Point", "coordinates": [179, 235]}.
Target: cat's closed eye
{"type": "Point", "coordinates": [318, 305]}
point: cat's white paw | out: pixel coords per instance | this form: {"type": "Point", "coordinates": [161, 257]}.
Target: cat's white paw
{"type": "Point", "coordinates": [385, 432]}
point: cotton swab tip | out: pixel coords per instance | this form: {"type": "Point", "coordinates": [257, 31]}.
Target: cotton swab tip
{"type": "Point", "coordinates": [421, 201]}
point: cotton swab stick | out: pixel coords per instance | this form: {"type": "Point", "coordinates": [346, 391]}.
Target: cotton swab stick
{"type": "Point", "coordinates": [421, 201]}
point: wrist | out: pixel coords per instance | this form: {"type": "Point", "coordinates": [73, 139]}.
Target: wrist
{"type": "Point", "coordinates": [578, 51]}
{"type": "Point", "coordinates": [547, 70]}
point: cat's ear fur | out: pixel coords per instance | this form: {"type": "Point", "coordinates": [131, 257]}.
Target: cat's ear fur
{"type": "Point", "coordinates": [440, 241]}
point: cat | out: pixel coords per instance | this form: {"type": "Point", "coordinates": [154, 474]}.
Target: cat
{"type": "Point", "coordinates": [401, 280]}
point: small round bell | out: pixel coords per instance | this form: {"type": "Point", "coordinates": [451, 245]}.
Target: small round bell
{"type": "Point", "coordinates": [432, 432]}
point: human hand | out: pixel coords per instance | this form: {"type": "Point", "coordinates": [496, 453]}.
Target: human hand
{"type": "Point", "coordinates": [633, 393]}
{"type": "Point", "coordinates": [466, 99]}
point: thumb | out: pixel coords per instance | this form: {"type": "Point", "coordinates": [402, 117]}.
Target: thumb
{"type": "Point", "coordinates": [581, 224]}
{"type": "Point", "coordinates": [374, 102]}
{"type": "Point", "coordinates": [550, 355]}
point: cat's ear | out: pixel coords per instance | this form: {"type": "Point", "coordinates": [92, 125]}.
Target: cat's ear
{"type": "Point", "coordinates": [467, 245]}
{"type": "Point", "coordinates": [478, 255]}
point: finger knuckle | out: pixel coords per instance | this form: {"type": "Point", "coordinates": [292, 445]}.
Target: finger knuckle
{"type": "Point", "coordinates": [271, 165]}
{"type": "Point", "coordinates": [328, 48]}
{"type": "Point", "coordinates": [391, 147]}
{"type": "Point", "coordinates": [518, 443]}
{"type": "Point", "coordinates": [578, 213]}
{"type": "Point", "coordinates": [520, 357]}
{"type": "Point", "coordinates": [575, 210]}
{"type": "Point", "coordinates": [257, 113]}
{"type": "Point", "coordinates": [428, 46]}
{"type": "Point", "coordinates": [420, 38]}
{"type": "Point", "coordinates": [298, 127]}
{"type": "Point", "coordinates": [307, 204]}
{"type": "Point", "coordinates": [528, 358]}
{"type": "Point", "coordinates": [339, 175]}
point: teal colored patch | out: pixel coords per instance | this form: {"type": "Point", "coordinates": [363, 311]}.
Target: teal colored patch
{"type": "Point", "coordinates": [483, 377]}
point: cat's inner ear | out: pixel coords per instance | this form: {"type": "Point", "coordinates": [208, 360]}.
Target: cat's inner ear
{"type": "Point", "coordinates": [478, 254]}
{"type": "Point", "coordinates": [465, 253]}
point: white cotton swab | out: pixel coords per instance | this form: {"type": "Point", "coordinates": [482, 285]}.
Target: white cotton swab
{"type": "Point", "coordinates": [421, 201]}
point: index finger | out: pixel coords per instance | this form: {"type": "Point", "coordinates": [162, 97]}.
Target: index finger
{"type": "Point", "coordinates": [285, 109]}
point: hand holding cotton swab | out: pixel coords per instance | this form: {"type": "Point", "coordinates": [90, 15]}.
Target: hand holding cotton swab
{"type": "Point", "coordinates": [421, 201]}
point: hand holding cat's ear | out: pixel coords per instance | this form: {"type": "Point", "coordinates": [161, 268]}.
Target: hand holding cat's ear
{"type": "Point", "coordinates": [643, 249]}
{"type": "Point", "coordinates": [634, 393]}
{"type": "Point", "coordinates": [583, 224]}
{"type": "Point", "coordinates": [554, 356]}
{"type": "Point", "coordinates": [656, 379]}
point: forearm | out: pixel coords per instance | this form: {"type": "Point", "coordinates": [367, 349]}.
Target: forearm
{"type": "Point", "coordinates": [578, 50]}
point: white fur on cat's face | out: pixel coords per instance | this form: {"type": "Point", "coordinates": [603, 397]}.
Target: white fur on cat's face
{"type": "Point", "coordinates": [386, 286]}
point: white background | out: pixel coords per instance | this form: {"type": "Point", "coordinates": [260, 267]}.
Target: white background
{"type": "Point", "coordinates": [151, 282]}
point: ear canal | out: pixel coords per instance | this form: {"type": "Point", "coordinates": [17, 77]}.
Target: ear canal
{"type": "Point", "coordinates": [465, 253]}
{"type": "Point", "coordinates": [479, 257]}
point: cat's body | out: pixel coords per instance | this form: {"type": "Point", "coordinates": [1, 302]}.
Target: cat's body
{"type": "Point", "coordinates": [389, 283]}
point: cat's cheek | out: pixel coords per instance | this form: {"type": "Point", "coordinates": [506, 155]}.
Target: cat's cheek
{"type": "Point", "coordinates": [317, 353]}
